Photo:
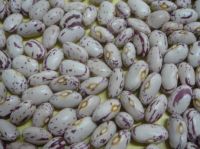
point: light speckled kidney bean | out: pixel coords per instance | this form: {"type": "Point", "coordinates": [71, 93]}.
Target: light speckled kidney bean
{"type": "Point", "coordinates": [196, 98]}
{"type": "Point", "coordinates": [138, 25]}
{"type": "Point", "coordinates": [106, 12]}
{"type": "Point", "coordinates": [136, 75]}
{"type": "Point", "coordinates": [4, 9]}
{"type": "Point", "coordinates": [159, 38]}
{"type": "Point", "coordinates": [176, 53]}
{"type": "Point", "coordinates": [8, 131]}
{"type": "Point", "coordinates": [26, 5]}
{"type": "Point", "coordinates": [157, 18]}
{"type": "Point", "coordinates": [34, 49]}
{"type": "Point", "coordinates": [61, 120]}
{"type": "Point", "coordinates": [139, 8]}
{"type": "Point", "coordinates": [2, 38]}
{"type": "Point", "coordinates": [150, 88]}
{"type": "Point", "coordinates": [36, 135]}
{"type": "Point", "coordinates": [180, 99]}
{"type": "Point", "coordinates": [181, 36]}
{"type": "Point", "coordinates": [26, 65]}
{"type": "Point", "coordinates": [98, 68]}
{"type": "Point", "coordinates": [8, 105]}
{"type": "Point", "coordinates": [156, 108]}
{"type": "Point", "coordinates": [55, 143]}
{"type": "Point", "coordinates": [39, 9]}
{"type": "Point", "coordinates": [11, 23]}
{"type": "Point", "coordinates": [14, 44]}
{"type": "Point", "coordinates": [152, 146]}
{"type": "Point", "coordinates": [124, 37]}
{"type": "Point", "coordinates": [169, 80]}
{"type": "Point", "coordinates": [92, 46]}
{"type": "Point", "coordinates": [192, 119]}
{"type": "Point", "coordinates": [22, 113]}
{"type": "Point", "coordinates": [112, 56]}
{"type": "Point", "coordinates": [57, 3]}
{"type": "Point", "coordinates": [122, 9]}
{"type": "Point", "coordinates": [93, 85]}
{"type": "Point", "coordinates": [20, 145]}
{"type": "Point", "coordinates": [15, 6]}
{"type": "Point", "coordinates": [42, 78]}
{"type": "Point", "coordinates": [79, 145]}
{"type": "Point", "coordinates": [75, 52]}
{"type": "Point", "coordinates": [71, 34]}
{"type": "Point", "coordinates": [101, 34]}
{"type": "Point", "coordinates": [3, 92]}
{"type": "Point", "coordinates": [64, 82]}
{"type": "Point", "coordinates": [117, 25]}
{"type": "Point", "coordinates": [186, 74]}
{"type": "Point", "coordinates": [163, 5]}
{"type": "Point", "coordinates": [177, 130]}
{"type": "Point", "coordinates": [42, 114]}
{"type": "Point", "coordinates": [197, 76]}
{"type": "Point", "coordinates": [154, 59]}
{"type": "Point", "coordinates": [89, 15]}
{"type": "Point", "coordinates": [196, 6]}
{"type": "Point", "coordinates": [128, 54]}
{"type": "Point", "coordinates": [193, 27]}
{"type": "Point", "coordinates": [79, 130]}
{"type": "Point", "coordinates": [184, 3]}
{"type": "Point", "coordinates": [37, 94]}
{"type": "Point", "coordinates": [184, 15]}
{"type": "Point", "coordinates": [103, 134]}
{"type": "Point", "coordinates": [120, 140]}
{"type": "Point", "coordinates": [15, 82]}
{"type": "Point", "coordinates": [74, 68]}
{"type": "Point", "coordinates": [53, 16]}
{"type": "Point", "coordinates": [170, 27]}
{"type": "Point", "coordinates": [116, 83]}
{"type": "Point", "coordinates": [50, 36]}
{"type": "Point", "coordinates": [79, 6]}
{"type": "Point", "coordinates": [132, 105]}
{"type": "Point", "coordinates": [87, 106]}
{"type": "Point", "coordinates": [141, 42]}
{"type": "Point", "coordinates": [53, 59]}
{"type": "Point", "coordinates": [65, 99]}
{"type": "Point", "coordinates": [33, 28]}
{"type": "Point", "coordinates": [106, 111]}
{"type": "Point", "coordinates": [124, 120]}
{"type": "Point", "coordinates": [71, 19]}
{"type": "Point", "coordinates": [193, 55]}
{"type": "Point", "coordinates": [191, 145]}
{"type": "Point", "coordinates": [149, 133]}
{"type": "Point", "coordinates": [5, 61]}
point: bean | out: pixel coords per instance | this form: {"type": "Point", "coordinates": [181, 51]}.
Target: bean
{"type": "Point", "coordinates": [191, 145]}
{"type": "Point", "coordinates": [193, 27]}
{"type": "Point", "coordinates": [79, 6]}
{"type": "Point", "coordinates": [20, 145]}
{"type": "Point", "coordinates": [196, 7]}
{"type": "Point", "coordinates": [3, 92]}
{"type": "Point", "coordinates": [57, 3]}
{"type": "Point", "coordinates": [2, 38]}
{"type": "Point", "coordinates": [89, 15]}
{"type": "Point", "coordinates": [79, 145]}
{"type": "Point", "coordinates": [170, 27]}
{"type": "Point", "coordinates": [152, 146]}
{"type": "Point", "coordinates": [196, 98]}
{"type": "Point", "coordinates": [193, 58]}
{"type": "Point", "coordinates": [117, 25]}
{"type": "Point", "coordinates": [4, 60]}
{"type": "Point", "coordinates": [184, 3]}
{"type": "Point", "coordinates": [56, 142]}
{"type": "Point", "coordinates": [124, 120]}
{"type": "Point", "coordinates": [26, 5]}
{"type": "Point", "coordinates": [15, 6]}
{"type": "Point", "coordinates": [122, 9]}
{"type": "Point", "coordinates": [4, 7]}
{"type": "Point", "coordinates": [163, 5]}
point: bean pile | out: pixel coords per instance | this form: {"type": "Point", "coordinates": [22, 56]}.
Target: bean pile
{"type": "Point", "coordinates": [145, 53]}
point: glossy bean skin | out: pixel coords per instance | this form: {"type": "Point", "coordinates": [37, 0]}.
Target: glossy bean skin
{"type": "Point", "coordinates": [36, 135]}
{"type": "Point", "coordinates": [192, 118]}
{"type": "Point", "coordinates": [8, 105]}
{"type": "Point", "coordinates": [196, 98]}
{"type": "Point", "coordinates": [93, 85]}
{"type": "Point", "coordinates": [177, 130]}
{"type": "Point", "coordinates": [132, 105]}
{"type": "Point", "coordinates": [4, 9]}
{"type": "Point", "coordinates": [79, 130]}
{"type": "Point", "coordinates": [37, 94]}
{"type": "Point", "coordinates": [193, 27]}
{"type": "Point", "coordinates": [42, 114]}
{"type": "Point", "coordinates": [42, 78]}
{"type": "Point", "coordinates": [22, 113]}
{"type": "Point", "coordinates": [54, 143]}
{"type": "Point", "coordinates": [193, 58]}
{"type": "Point", "coordinates": [117, 25]}
{"type": "Point", "coordinates": [116, 83]}
{"type": "Point", "coordinates": [106, 111]}
{"type": "Point", "coordinates": [149, 133]}
{"type": "Point", "coordinates": [89, 15]}
{"type": "Point", "coordinates": [184, 4]}
{"type": "Point", "coordinates": [186, 74]}
{"type": "Point", "coordinates": [103, 134]}
{"type": "Point", "coordinates": [5, 61]}
{"type": "Point", "coordinates": [150, 88]}
{"type": "Point", "coordinates": [171, 26]}
{"type": "Point", "coordinates": [119, 140]}
{"type": "Point", "coordinates": [65, 99]}
{"type": "Point", "coordinates": [122, 9]}
{"type": "Point", "coordinates": [124, 120]}
{"type": "Point", "coordinates": [15, 6]}
{"type": "Point", "coordinates": [156, 109]}
{"type": "Point", "coordinates": [26, 5]}
{"type": "Point", "coordinates": [8, 131]}
{"type": "Point", "coordinates": [87, 106]}
{"type": "Point", "coordinates": [180, 99]}
{"type": "Point", "coordinates": [61, 120]}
